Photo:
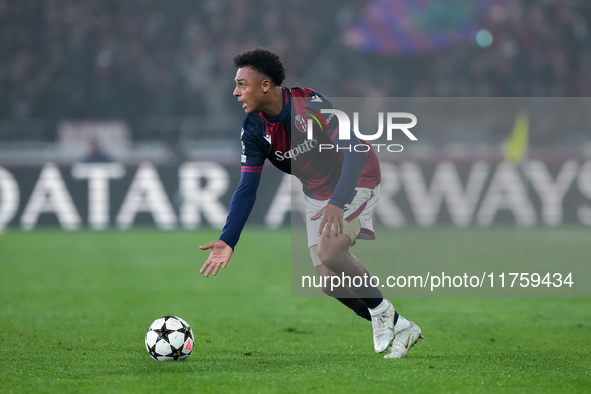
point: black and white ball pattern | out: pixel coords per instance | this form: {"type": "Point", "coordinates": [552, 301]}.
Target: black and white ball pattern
{"type": "Point", "coordinates": [169, 338]}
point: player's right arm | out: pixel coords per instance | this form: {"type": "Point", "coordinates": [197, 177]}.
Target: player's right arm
{"type": "Point", "coordinates": [240, 207]}
{"type": "Point", "coordinates": [242, 202]}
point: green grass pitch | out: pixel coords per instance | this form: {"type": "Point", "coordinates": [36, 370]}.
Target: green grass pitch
{"type": "Point", "coordinates": [75, 307]}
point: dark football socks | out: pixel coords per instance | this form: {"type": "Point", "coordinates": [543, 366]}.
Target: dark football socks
{"type": "Point", "coordinates": [370, 295]}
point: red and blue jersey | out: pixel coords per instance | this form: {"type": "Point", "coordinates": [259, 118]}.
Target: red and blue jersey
{"type": "Point", "coordinates": [327, 174]}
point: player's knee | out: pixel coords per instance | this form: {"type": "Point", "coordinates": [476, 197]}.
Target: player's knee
{"type": "Point", "coordinates": [331, 257]}
{"type": "Point", "coordinates": [327, 284]}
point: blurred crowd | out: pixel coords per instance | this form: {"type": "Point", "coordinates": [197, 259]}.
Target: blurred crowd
{"type": "Point", "coordinates": [541, 48]}
{"type": "Point", "coordinates": [111, 58]}
{"type": "Point", "coordinates": [93, 59]}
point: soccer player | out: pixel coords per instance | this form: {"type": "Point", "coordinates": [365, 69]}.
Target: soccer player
{"type": "Point", "coordinates": [341, 189]}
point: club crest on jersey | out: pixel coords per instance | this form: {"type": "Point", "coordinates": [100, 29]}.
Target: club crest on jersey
{"type": "Point", "coordinates": [300, 123]}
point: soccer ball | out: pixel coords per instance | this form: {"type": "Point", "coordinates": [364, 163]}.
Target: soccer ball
{"type": "Point", "coordinates": [169, 338]}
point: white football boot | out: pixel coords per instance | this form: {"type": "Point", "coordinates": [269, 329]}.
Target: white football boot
{"type": "Point", "coordinates": [406, 335]}
{"type": "Point", "coordinates": [383, 327]}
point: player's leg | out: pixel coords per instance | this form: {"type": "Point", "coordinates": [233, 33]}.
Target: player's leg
{"type": "Point", "coordinates": [385, 321]}
{"type": "Point", "coordinates": [334, 254]}
{"type": "Point", "coordinates": [344, 294]}
{"type": "Point", "coordinates": [341, 293]}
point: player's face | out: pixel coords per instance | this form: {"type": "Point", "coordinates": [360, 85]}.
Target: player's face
{"type": "Point", "coordinates": [249, 89]}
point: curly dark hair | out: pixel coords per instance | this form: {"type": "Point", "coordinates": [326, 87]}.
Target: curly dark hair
{"type": "Point", "coordinates": [263, 61]}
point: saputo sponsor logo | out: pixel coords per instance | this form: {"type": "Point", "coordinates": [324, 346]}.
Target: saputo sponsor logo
{"type": "Point", "coordinates": [299, 149]}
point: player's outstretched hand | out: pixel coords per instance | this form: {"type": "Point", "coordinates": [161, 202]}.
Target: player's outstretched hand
{"type": "Point", "coordinates": [332, 219]}
{"type": "Point", "coordinates": [218, 257]}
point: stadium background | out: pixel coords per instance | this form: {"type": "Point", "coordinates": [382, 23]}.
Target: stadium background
{"type": "Point", "coordinates": [151, 83]}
